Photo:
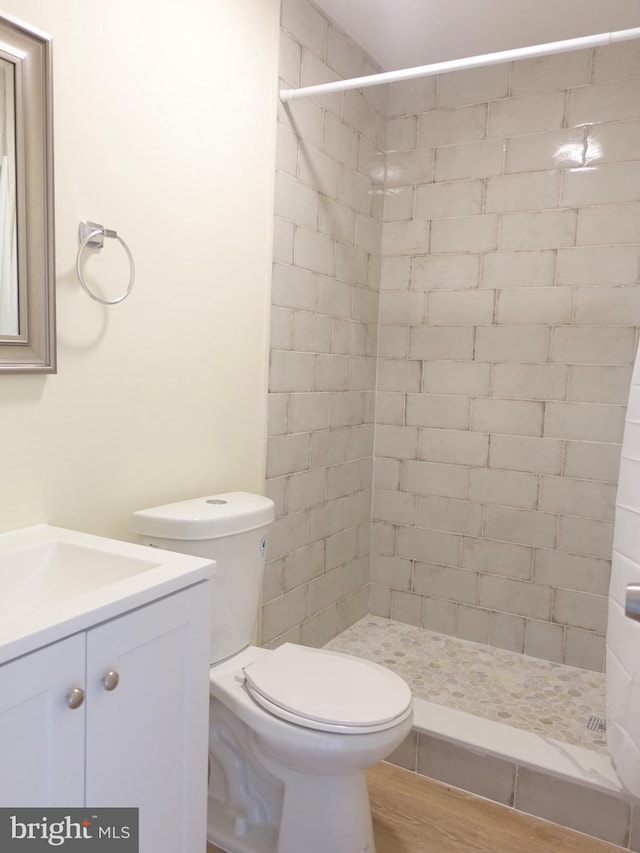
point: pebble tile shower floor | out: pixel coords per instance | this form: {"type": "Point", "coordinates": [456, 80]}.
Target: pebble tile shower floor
{"type": "Point", "coordinates": [507, 687]}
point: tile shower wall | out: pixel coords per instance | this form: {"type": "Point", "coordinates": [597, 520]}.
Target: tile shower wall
{"type": "Point", "coordinates": [507, 297]}
{"type": "Point", "coordinates": [508, 313]}
{"type": "Point", "coordinates": [330, 164]}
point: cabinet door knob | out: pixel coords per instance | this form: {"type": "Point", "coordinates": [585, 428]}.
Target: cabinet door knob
{"type": "Point", "coordinates": [111, 680]}
{"type": "Point", "coordinates": [75, 697]}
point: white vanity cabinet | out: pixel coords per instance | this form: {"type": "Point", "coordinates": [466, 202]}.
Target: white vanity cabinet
{"type": "Point", "coordinates": [138, 738]}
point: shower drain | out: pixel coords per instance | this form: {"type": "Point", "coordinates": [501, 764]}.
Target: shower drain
{"type": "Point", "coordinates": [597, 724]}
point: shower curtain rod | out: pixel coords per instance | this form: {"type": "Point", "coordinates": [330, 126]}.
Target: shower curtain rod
{"type": "Point", "coordinates": [583, 42]}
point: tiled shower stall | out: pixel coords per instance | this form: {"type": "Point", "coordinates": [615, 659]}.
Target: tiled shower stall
{"type": "Point", "coordinates": [455, 307]}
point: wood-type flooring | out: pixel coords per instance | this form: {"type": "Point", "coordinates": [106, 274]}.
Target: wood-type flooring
{"type": "Point", "coordinates": [413, 814]}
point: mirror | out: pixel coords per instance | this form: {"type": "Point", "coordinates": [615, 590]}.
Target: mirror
{"type": "Point", "coordinates": [27, 300]}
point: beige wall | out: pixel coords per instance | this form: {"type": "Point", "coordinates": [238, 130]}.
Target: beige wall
{"type": "Point", "coordinates": [164, 130]}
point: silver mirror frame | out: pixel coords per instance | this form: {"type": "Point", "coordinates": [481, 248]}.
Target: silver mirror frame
{"type": "Point", "coordinates": [33, 350]}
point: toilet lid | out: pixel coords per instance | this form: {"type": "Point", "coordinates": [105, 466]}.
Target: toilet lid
{"type": "Point", "coordinates": [325, 689]}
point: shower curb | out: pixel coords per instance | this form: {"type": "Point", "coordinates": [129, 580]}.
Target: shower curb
{"type": "Point", "coordinates": [570, 785]}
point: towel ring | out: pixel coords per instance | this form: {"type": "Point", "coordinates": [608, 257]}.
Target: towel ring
{"type": "Point", "coordinates": [92, 235]}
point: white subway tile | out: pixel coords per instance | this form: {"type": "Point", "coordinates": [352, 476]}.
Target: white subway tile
{"type": "Point", "coordinates": [603, 184]}
{"type": "Point", "coordinates": [406, 607]}
{"type": "Point", "coordinates": [544, 640]}
{"type": "Point", "coordinates": [580, 609]}
{"type": "Point", "coordinates": [514, 596]}
{"type": "Point", "coordinates": [514, 417]}
{"type": "Point", "coordinates": [595, 384]}
{"type": "Point", "coordinates": [523, 453]}
{"type": "Point", "coordinates": [457, 447]}
{"type": "Point", "coordinates": [592, 461]}
{"type": "Point", "coordinates": [550, 73]}
{"type": "Point", "coordinates": [446, 272]}
{"type": "Point", "coordinates": [507, 632]}
{"type": "Point", "coordinates": [613, 143]}
{"type": "Point", "coordinates": [433, 410]}
{"type": "Point", "coordinates": [528, 114]}
{"type": "Point", "coordinates": [476, 159]}
{"type": "Point", "coordinates": [445, 342]}
{"type": "Point", "coordinates": [402, 307]}
{"type": "Point", "coordinates": [543, 305]}
{"type": "Point", "coordinates": [586, 536]}
{"type": "Point", "coordinates": [570, 571]}
{"type": "Point", "coordinates": [429, 546]}
{"type": "Point", "coordinates": [405, 238]}
{"type": "Point", "coordinates": [399, 203]}
{"type": "Point", "coordinates": [306, 489]}
{"type": "Point", "coordinates": [513, 343]}
{"type": "Point", "coordinates": [394, 572]}
{"type": "Point", "coordinates": [410, 97]}
{"type": "Point", "coordinates": [453, 377]}
{"type": "Point", "coordinates": [567, 496]}
{"type": "Point", "coordinates": [528, 191]}
{"type": "Point", "coordinates": [530, 381]}
{"type": "Point", "coordinates": [314, 251]}
{"type": "Point", "coordinates": [586, 650]}
{"type": "Point", "coordinates": [457, 307]}
{"type": "Point", "coordinates": [539, 152]}
{"type": "Point", "coordinates": [402, 134]}
{"type": "Point", "coordinates": [445, 582]}
{"type": "Point", "coordinates": [608, 305]}
{"type": "Point", "coordinates": [444, 199]}
{"type": "Point", "coordinates": [521, 526]}
{"type": "Point", "coordinates": [394, 375]}
{"type": "Point", "coordinates": [584, 422]}
{"type": "Point", "coordinates": [604, 102]}
{"type": "Point", "coordinates": [614, 345]}
{"type": "Point", "coordinates": [398, 442]}
{"type": "Point", "coordinates": [616, 61]}
{"type": "Point", "coordinates": [474, 86]}
{"type": "Point", "coordinates": [535, 268]}
{"type": "Point", "coordinates": [317, 170]}
{"type": "Point", "coordinates": [506, 488]}
{"type": "Point", "coordinates": [307, 412]}
{"type": "Point", "coordinates": [394, 507]}
{"type": "Point", "coordinates": [497, 558]}
{"type": "Point", "coordinates": [454, 516]}
{"type": "Point", "coordinates": [453, 126]}
{"type": "Point", "coordinates": [393, 341]}
{"type": "Point", "coordinates": [542, 229]}
{"type": "Point", "coordinates": [291, 371]}
{"type": "Point", "coordinates": [331, 374]}
{"type": "Point", "coordinates": [406, 168]}
{"type": "Point", "coordinates": [599, 265]}
{"type": "Point", "coordinates": [434, 478]}
{"type": "Point", "coordinates": [610, 224]}
{"type": "Point", "coordinates": [395, 273]}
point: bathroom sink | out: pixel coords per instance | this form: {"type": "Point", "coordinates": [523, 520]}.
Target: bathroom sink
{"type": "Point", "coordinates": [54, 582]}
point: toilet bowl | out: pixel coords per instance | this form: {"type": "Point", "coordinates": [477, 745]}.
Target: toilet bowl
{"type": "Point", "coordinates": [297, 782]}
{"type": "Point", "coordinates": [291, 730]}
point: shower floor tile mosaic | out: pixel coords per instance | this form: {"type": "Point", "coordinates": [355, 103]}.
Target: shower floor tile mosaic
{"type": "Point", "coordinates": [520, 691]}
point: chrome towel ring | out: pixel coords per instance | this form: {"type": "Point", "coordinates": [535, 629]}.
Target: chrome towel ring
{"type": "Point", "coordinates": [92, 236]}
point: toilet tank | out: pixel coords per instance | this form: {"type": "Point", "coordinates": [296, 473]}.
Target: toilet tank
{"type": "Point", "coordinates": [231, 529]}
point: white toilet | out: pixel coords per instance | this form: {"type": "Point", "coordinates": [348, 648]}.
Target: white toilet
{"type": "Point", "coordinates": [291, 730]}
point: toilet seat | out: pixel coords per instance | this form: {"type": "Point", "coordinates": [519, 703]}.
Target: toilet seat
{"type": "Point", "coordinates": [328, 691]}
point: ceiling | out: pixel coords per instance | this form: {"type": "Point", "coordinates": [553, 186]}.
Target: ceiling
{"type": "Point", "coordinates": [408, 33]}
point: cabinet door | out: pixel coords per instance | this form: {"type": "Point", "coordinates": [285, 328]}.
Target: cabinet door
{"type": "Point", "coordinates": [41, 738]}
{"type": "Point", "coordinates": [147, 738]}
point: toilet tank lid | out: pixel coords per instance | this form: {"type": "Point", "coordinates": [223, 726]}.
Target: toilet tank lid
{"type": "Point", "coordinates": [209, 517]}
